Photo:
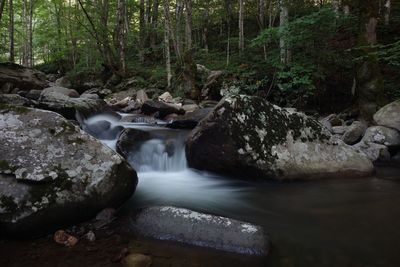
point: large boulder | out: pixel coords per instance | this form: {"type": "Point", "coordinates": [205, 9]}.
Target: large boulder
{"type": "Point", "coordinates": [62, 90]}
{"type": "Point", "coordinates": [382, 135]}
{"type": "Point", "coordinates": [389, 115]}
{"type": "Point", "coordinates": [354, 133]}
{"type": "Point", "coordinates": [69, 106]}
{"type": "Point", "coordinates": [251, 138]}
{"type": "Point", "coordinates": [14, 76]}
{"type": "Point", "coordinates": [14, 99]}
{"type": "Point", "coordinates": [53, 174]}
{"type": "Point", "coordinates": [162, 109]}
{"type": "Point", "coordinates": [198, 229]}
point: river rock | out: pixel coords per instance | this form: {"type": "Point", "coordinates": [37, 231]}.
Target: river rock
{"type": "Point", "coordinates": [375, 152]}
{"type": "Point", "coordinates": [382, 135]}
{"type": "Point", "coordinates": [166, 98]}
{"type": "Point", "coordinates": [14, 99]}
{"type": "Point", "coordinates": [190, 120]}
{"type": "Point", "coordinates": [389, 115]}
{"type": "Point", "coordinates": [63, 82]}
{"type": "Point", "coordinates": [53, 174]}
{"type": "Point", "coordinates": [16, 76]}
{"type": "Point", "coordinates": [130, 140]}
{"type": "Point", "coordinates": [62, 90]}
{"type": "Point", "coordinates": [163, 109]}
{"type": "Point", "coordinates": [141, 96]}
{"type": "Point", "coordinates": [204, 230]}
{"type": "Point", "coordinates": [340, 130]}
{"type": "Point", "coordinates": [354, 133]}
{"type": "Point", "coordinates": [68, 106]}
{"type": "Point", "coordinates": [251, 138]}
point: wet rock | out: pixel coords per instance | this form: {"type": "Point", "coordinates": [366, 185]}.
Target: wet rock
{"type": "Point", "coordinates": [333, 120]}
{"type": "Point", "coordinates": [375, 152]}
{"type": "Point", "coordinates": [61, 237]}
{"type": "Point", "coordinates": [137, 260]}
{"type": "Point", "coordinates": [382, 135]}
{"type": "Point", "coordinates": [354, 133]}
{"type": "Point", "coordinates": [204, 230]}
{"type": "Point", "coordinates": [130, 140]}
{"type": "Point", "coordinates": [250, 138]}
{"type": "Point", "coordinates": [163, 109]}
{"type": "Point", "coordinates": [68, 106]}
{"type": "Point", "coordinates": [14, 99]}
{"type": "Point", "coordinates": [61, 90]}
{"type": "Point", "coordinates": [389, 116]}
{"type": "Point", "coordinates": [102, 130]}
{"type": "Point", "coordinates": [56, 173]}
{"type": "Point", "coordinates": [15, 76]}
{"type": "Point", "coordinates": [166, 98]}
{"type": "Point", "coordinates": [190, 120]}
{"type": "Point", "coordinates": [116, 97]}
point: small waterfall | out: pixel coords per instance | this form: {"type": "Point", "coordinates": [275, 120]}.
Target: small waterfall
{"type": "Point", "coordinates": [167, 155]}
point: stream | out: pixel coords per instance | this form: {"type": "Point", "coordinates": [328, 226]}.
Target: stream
{"type": "Point", "coordinates": [340, 222]}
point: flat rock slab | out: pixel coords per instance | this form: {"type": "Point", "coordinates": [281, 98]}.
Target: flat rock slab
{"type": "Point", "coordinates": [203, 230]}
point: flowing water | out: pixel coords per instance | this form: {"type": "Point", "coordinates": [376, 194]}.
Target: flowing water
{"type": "Point", "coordinates": [341, 222]}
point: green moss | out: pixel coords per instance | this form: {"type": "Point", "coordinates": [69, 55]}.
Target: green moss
{"type": "Point", "coordinates": [17, 109]}
{"type": "Point", "coordinates": [77, 140]}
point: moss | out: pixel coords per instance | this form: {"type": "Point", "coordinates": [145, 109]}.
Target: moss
{"type": "Point", "coordinates": [16, 109]}
{"type": "Point", "coordinates": [77, 140]}
{"type": "Point", "coordinates": [8, 203]}
{"type": "Point", "coordinates": [67, 128]}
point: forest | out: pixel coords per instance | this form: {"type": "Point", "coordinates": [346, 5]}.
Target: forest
{"type": "Point", "coordinates": [191, 133]}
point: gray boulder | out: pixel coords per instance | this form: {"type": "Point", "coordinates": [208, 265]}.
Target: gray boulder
{"type": "Point", "coordinates": [62, 90]}
{"type": "Point", "coordinates": [14, 99]}
{"type": "Point", "coordinates": [375, 152]}
{"type": "Point", "coordinates": [53, 174]}
{"type": "Point", "coordinates": [250, 138]}
{"type": "Point", "coordinates": [389, 116]}
{"type": "Point", "coordinates": [63, 82]}
{"type": "Point", "coordinates": [382, 135]}
{"type": "Point", "coordinates": [162, 109]}
{"type": "Point", "coordinates": [204, 230]}
{"type": "Point", "coordinates": [354, 133]}
{"type": "Point", "coordinates": [15, 76]}
{"type": "Point", "coordinates": [130, 141]}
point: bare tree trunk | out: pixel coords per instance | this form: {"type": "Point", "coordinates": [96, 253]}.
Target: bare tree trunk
{"type": "Point", "coordinates": [2, 4]}
{"type": "Point", "coordinates": [121, 34]}
{"type": "Point", "coordinates": [261, 22]}
{"type": "Point", "coordinates": [142, 31]}
{"type": "Point", "coordinates": [11, 32]}
{"type": "Point", "coordinates": [154, 22]}
{"type": "Point", "coordinates": [30, 31]}
{"type": "Point", "coordinates": [228, 21]}
{"type": "Point", "coordinates": [167, 34]}
{"type": "Point", "coordinates": [178, 29]}
{"type": "Point", "coordinates": [205, 30]}
{"type": "Point", "coordinates": [388, 5]}
{"type": "Point", "coordinates": [284, 19]}
{"type": "Point", "coordinates": [241, 26]}
{"type": "Point", "coordinates": [189, 25]}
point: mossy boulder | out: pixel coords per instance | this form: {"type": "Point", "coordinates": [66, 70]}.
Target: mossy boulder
{"type": "Point", "coordinates": [54, 174]}
{"type": "Point", "coordinates": [250, 138]}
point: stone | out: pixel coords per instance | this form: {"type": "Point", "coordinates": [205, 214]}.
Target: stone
{"type": "Point", "coordinates": [248, 137]}
{"type": "Point", "coordinates": [16, 76]}
{"type": "Point", "coordinates": [389, 116]}
{"type": "Point", "coordinates": [208, 104]}
{"type": "Point", "coordinates": [130, 141]}
{"type": "Point", "coordinates": [340, 130]}
{"type": "Point", "coordinates": [198, 229]}
{"type": "Point", "coordinates": [151, 107]}
{"type": "Point", "coordinates": [62, 90]}
{"type": "Point", "coordinates": [137, 260]}
{"type": "Point", "coordinates": [63, 82]}
{"type": "Point", "coordinates": [190, 120]}
{"type": "Point", "coordinates": [212, 87]}
{"type": "Point", "coordinates": [69, 107]}
{"type": "Point", "coordinates": [354, 133]}
{"type": "Point", "coordinates": [190, 108]}
{"type": "Point", "coordinates": [14, 99]}
{"type": "Point", "coordinates": [166, 98]}
{"type": "Point", "coordinates": [54, 174]}
{"type": "Point", "coordinates": [61, 237]}
{"type": "Point", "coordinates": [140, 118]}
{"type": "Point", "coordinates": [34, 94]}
{"type": "Point", "coordinates": [382, 135]}
{"type": "Point", "coordinates": [141, 96]}
{"type": "Point", "coordinates": [118, 96]}
{"type": "Point", "coordinates": [90, 236]}
{"type": "Point", "coordinates": [375, 152]}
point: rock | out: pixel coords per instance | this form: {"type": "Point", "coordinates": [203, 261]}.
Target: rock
{"type": "Point", "coordinates": [51, 77]}
{"type": "Point", "coordinates": [116, 97]}
{"type": "Point", "coordinates": [166, 98]}
{"type": "Point", "coordinates": [90, 96]}
{"type": "Point", "coordinates": [61, 237]}
{"type": "Point", "coordinates": [202, 70]}
{"type": "Point", "coordinates": [382, 135]}
{"type": "Point", "coordinates": [54, 173]}
{"type": "Point", "coordinates": [130, 140]}
{"type": "Point", "coordinates": [61, 90]}
{"type": "Point", "coordinates": [15, 76]}
{"type": "Point", "coordinates": [340, 130]}
{"type": "Point", "coordinates": [68, 107]}
{"type": "Point", "coordinates": [14, 99]}
{"type": "Point", "coordinates": [137, 260]}
{"type": "Point", "coordinates": [34, 94]}
{"type": "Point", "coordinates": [141, 96]}
{"type": "Point", "coordinates": [213, 85]}
{"type": "Point", "coordinates": [354, 133]}
{"type": "Point", "coordinates": [389, 116]}
{"type": "Point", "coordinates": [122, 254]}
{"type": "Point", "coordinates": [140, 118]}
{"type": "Point", "coordinates": [163, 109]}
{"type": "Point", "coordinates": [334, 120]}
{"type": "Point", "coordinates": [204, 230]}
{"type": "Point", "coordinates": [208, 104]}
{"type": "Point", "coordinates": [63, 82]}
{"type": "Point", "coordinates": [375, 152]}
{"type": "Point", "coordinates": [190, 120]}
{"type": "Point", "coordinates": [90, 236]}
{"type": "Point", "coordinates": [190, 108]}
{"type": "Point", "coordinates": [251, 138]}
{"type": "Point", "coordinates": [102, 130]}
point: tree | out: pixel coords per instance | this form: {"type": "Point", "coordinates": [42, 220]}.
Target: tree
{"type": "Point", "coordinates": [2, 4]}
{"type": "Point", "coordinates": [241, 26]}
{"type": "Point", "coordinates": [11, 32]}
{"type": "Point", "coordinates": [167, 34]}
{"type": "Point", "coordinates": [284, 19]}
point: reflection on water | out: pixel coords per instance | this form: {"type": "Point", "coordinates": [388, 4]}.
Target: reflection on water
{"type": "Point", "coordinates": [343, 222]}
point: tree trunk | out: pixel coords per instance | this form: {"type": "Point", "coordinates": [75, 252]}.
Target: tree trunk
{"type": "Point", "coordinates": [30, 31]}
{"type": "Point", "coordinates": [121, 34]}
{"type": "Point", "coordinates": [388, 5]}
{"type": "Point", "coordinates": [228, 22]}
{"type": "Point", "coordinates": [284, 19]}
{"type": "Point", "coordinates": [2, 4]}
{"type": "Point", "coordinates": [261, 22]}
{"type": "Point", "coordinates": [205, 30]}
{"type": "Point", "coordinates": [154, 25]}
{"type": "Point", "coordinates": [142, 30]}
{"type": "Point", "coordinates": [369, 78]}
{"type": "Point", "coordinates": [241, 26]}
{"type": "Point", "coordinates": [167, 34]}
{"type": "Point", "coordinates": [335, 4]}
{"type": "Point", "coordinates": [11, 32]}
{"type": "Point", "coordinates": [189, 25]}
{"type": "Point", "coordinates": [178, 30]}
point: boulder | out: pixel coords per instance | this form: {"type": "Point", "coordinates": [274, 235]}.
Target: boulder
{"type": "Point", "coordinates": [63, 82]}
{"type": "Point", "coordinates": [375, 152]}
{"type": "Point", "coordinates": [354, 133]}
{"type": "Point", "coordinates": [33, 94]}
{"type": "Point", "coordinates": [141, 96]}
{"type": "Point", "coordinates": [166, 98]}
{"type": "Point", "coordinates": [251, 138]}
{"type": "Point", "coordinates": [140, 118]}
{"type": "Point", "coordinates": [382, 135]}
{"type": "Point", "coordinates": [62, 90]}
{"type": "Point", "coordinates": [136, 260]}
{"type": "Point", "coordinates": [151, 107]}
{"type": "Point", "coordinates": [68, 106]}
{"type": "Point", "coordinates": [340, 130]}
{"type": "Point", "coordinates": [14, 99]}
{"type": "Point", "coordinates": [54, 174]}
{"type": "Point", "coordinates": [213, 85]}
{"type": "Point", "coordinates": [198, 229]}
{"type": "Point", "coordinates": [15, 76]}
{"type": "Point", "coordinates": [190, 120]}
{"type": "Point", "coordinates": [130, 140]}
{"type": "Point", "coordinates": [389, 116]}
